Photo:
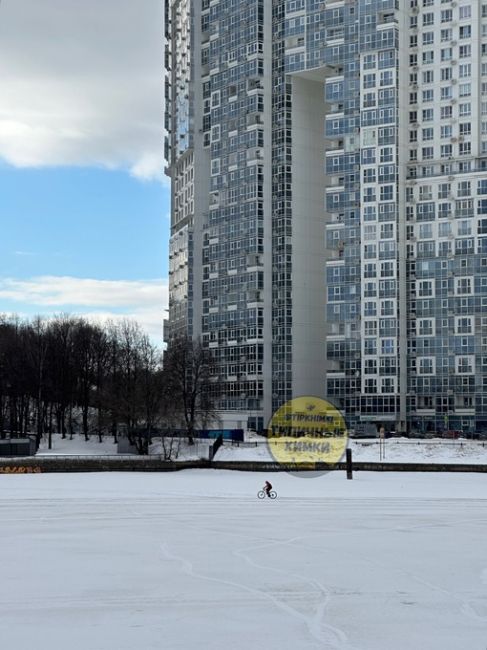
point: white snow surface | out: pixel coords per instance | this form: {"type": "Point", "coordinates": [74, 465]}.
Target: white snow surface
{"type": "Point", "coordinates": [255, 449]}
{"type": "Point", "coordinates": [394, 450]}
{"type": "Point", "coordinates": [192, 560]}
{"type": "Point", "coordinates": [78, 446]}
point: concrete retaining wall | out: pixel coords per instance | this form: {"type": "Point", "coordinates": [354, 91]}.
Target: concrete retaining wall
{"type": "Point", "coordinates": [358, 467]}
{"type": "Point", "coordinates": [156, 464]}
{"type": "Point", "coordinates": [94, 464]}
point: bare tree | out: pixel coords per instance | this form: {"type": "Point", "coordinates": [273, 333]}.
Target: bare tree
{"type": "Point", "coordinates": [54, 372]}
{"type": "Point", "coordinates": [61, 370]}
{"type": "Point", "coordinates": [135, 385]}
{"type": "Point", "coordinates": [188, 376]}
{"type": "Point", "coordinates": [85, 364]}
{"type": "Point", "coordinates": [152, 383]}
{"type": "Point", "coordinates": [38, 347]}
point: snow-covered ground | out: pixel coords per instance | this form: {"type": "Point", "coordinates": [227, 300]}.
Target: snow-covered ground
{"type": "Point", "coordinates": [255, 449]}
{"type": "Point", "coordinates": [78, 446]}
{"type": "Point", "coordinates": [396, 450]}
{"type": "Point", "coordinates": [192, 560]}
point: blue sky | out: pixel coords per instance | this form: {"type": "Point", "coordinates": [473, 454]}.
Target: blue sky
{"type": "Point", "coordinates": [84, 205]}
{"type": "Point", "coordinates": [70, 221]}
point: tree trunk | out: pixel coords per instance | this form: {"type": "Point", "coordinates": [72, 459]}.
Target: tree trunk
{"type": "Point", "coordinates": [63, 423]}
{"type": "Point", "coordinates": [85, 423]}
{"type": "Point", "coordinates": [71, 435]}
{"type": "Point", "coordinates": [114, 432]}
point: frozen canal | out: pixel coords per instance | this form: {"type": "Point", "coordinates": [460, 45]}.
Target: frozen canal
{"type": "Point", "coordinates": [192, 560]}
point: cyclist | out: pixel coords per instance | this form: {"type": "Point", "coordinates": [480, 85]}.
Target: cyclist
{"type": "Point", "coordinates": [267, 488]}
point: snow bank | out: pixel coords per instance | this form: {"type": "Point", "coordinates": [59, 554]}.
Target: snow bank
{"type": "Point", "coordinates": [397, 450]}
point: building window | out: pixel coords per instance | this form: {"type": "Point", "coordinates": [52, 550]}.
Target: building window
{"type": "Point", "coordinates": [369, 194]}
{"type": "Point", "coordinates": [387, 308]}
{"type": "Point", "coordinates": [463, 286]}
{"type": "Point", "coordinates": [387, 193]}
{"type": "Point", "coordinates": [446, 151]}
{"type": "Point", "coordinates": [370, 367]}
{"type": "Point", "coordinates": [371, 328]}
{"type": "Point", "coordinates": [464, 365]}
{"type": "Point", "coordinates": [370, 270]}
{"type": "Point", "coordinates": [464, 188]}
{"type": "Point", "coordinates": [425, 231]}
{"type": "Point", "coordinates": [446, 74]}
{"type": "Point", "coordinates": [446, 131]}
{"type": "Point", "coordinates": [444, 229]}
{"type": "Point", "coordinates": [446, 112]}
{"type": "Point", "coordinates": [425, 288]}
{"type": "Point", "coordinates": [445, 93]}
{"type": "Point", "coordinates": [387, 385]}
{"type": "Point", "coordinates": [369, 61]}
{"type": "Point", "coordinates": [387, 269]}
{"type": "Point", "coordinates": [370, 213]}
{"type": "Point", "coordinates": [482, 186]}
{"type": "Point", "coordinates": [369, 80]}
{"type": "Point", "coordinates": [463, 325]}
{"type": "Point", "coordinates": [446, 54]}
{"type": "Point", "coordinates": [425, 327]}
{"type": "Point", "coordinates": [386, 78]}
{"type": "Point", "coordinates": [370, 385]}
{"type": "Point", "coordinates": [426, 365]}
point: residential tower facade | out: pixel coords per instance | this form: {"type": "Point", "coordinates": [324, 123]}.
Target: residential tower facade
{"type": "Point", "coordinates": [329, 181]}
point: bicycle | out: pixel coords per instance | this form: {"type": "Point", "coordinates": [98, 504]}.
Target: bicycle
{"type": "Point", "coordinates": [261, 494]}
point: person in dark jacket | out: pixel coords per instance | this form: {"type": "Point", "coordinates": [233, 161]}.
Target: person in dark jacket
{"type": "Point", "coordinates": [267, 488]}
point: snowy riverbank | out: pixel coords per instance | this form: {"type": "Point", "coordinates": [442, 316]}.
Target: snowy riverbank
{"type": "Point", "coordinates": [394, 450]}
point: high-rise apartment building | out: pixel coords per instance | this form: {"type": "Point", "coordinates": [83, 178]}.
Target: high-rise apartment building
{"type": "Point", "coordinates": [329, 204]}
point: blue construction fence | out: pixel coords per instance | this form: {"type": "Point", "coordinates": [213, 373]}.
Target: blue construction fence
{"type": "Point", "coordinates": [237, 435]}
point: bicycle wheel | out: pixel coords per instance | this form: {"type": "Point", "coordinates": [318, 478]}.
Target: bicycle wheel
{"type": "Point", "coordinates": [272, 494]}
{"type": "Point", "coordinates": [261, 494]}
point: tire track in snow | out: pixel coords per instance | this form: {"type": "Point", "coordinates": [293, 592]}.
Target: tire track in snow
{"type": "Point", "coordinates": [466, 606]}
{"type": "Point", "coordinates": [324, 632]}
{"type": "Point", "coordinates": [332, 637]}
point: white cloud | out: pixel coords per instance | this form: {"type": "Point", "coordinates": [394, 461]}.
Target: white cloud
{"type": "Point", "coordinates": [82, 84]}
{"type": "Point", "coordinates": [149, 167]}
{"type": "Point", "coordinates": [144, 301]}
{"type": "Point", "coordinates": [151, 321]}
